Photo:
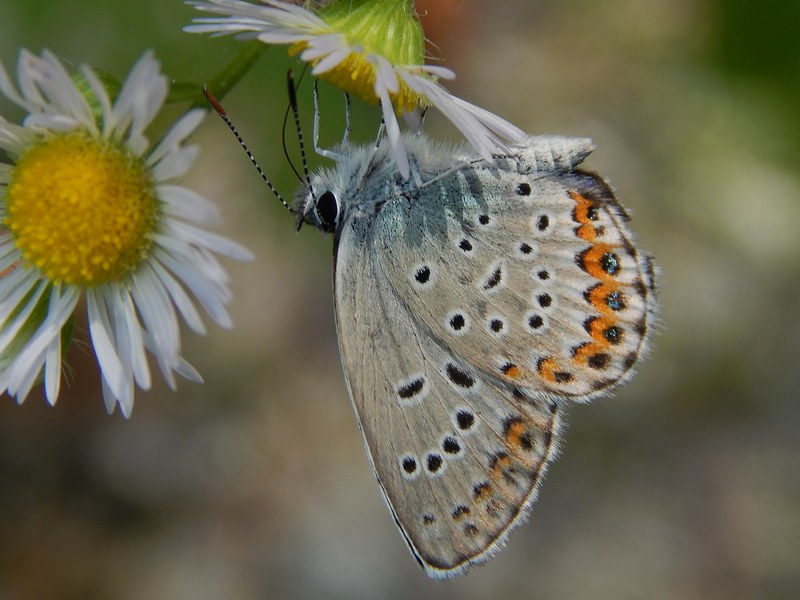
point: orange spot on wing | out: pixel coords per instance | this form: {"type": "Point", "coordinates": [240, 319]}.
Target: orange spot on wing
{"type": "Point", "coordinates": [551, 371]}
{"type": "Point", "coordinates": [501, 462]}
{"type": "Point", "coordinates": [585, 212]}
{"type": "Point", "coordinates": [592, 257]}
{"type": "Point", "coordinates": [512, 371]}
{"type": "Point", "coordinates": [582, 354]}
{"type": "Point", "coordinates": [546, 368]}
{"type": "Point", "coordinates": [596, 328]}
{"type": "Point", "coordinates": [583, 208]}
{"type": "Point", "coordinates": [597, 296]}
{"type": "Point", "coordinates": [483, 490]}
{"type": "Point", "coordinates": [515, 430]}
{"type": "Point", "coordinates": [587, 232]}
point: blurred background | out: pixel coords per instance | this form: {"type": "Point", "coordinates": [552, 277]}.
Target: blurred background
{"type": "Point", "coordinates": [686, 484]}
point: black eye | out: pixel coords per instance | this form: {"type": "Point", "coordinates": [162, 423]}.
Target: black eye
{"type": "Point", "coordinates": [327, 211]}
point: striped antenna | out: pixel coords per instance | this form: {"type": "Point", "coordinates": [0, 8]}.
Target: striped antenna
{"type": "Point", "coordinates": [221, 112]}
{"type": "Point", "coordinates": [296, 114]}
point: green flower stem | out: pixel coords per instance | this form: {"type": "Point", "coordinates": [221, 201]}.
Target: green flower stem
{"type": "Point", "coordinates": [221, 83]}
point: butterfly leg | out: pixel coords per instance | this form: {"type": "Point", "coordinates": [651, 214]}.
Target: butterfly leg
{"type": "Point", "coordinates": [327, 152]}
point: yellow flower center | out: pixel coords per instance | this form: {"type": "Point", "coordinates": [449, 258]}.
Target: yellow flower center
{"type": "Point", "coordinates": [356, 76]}
{"type": "Point", "coordinates": [83, 211]}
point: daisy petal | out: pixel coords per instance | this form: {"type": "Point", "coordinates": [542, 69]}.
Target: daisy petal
{"type": "Point", "coordinates": [129, 334]}
{"type": "Point", "coordinates": [183, 203]}
{"type": "Point", "coordinates": [183, 128]}
{"type": "Point", "coordinates": [100, 328]}
{"type": "Point", "coordinates": [393, 135]}
{"type": "Point", "coordinates": [330, 61]}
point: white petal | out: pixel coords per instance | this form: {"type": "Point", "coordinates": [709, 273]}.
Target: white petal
{"type": "Point", "coordinates": [330, 61]}
{"type": "Point", "coordinates": [10, 282]}
{"type": "Point", "coordinates": [479, 126]}
{"type": "Point", "coordinates": [128, 333]}
{"type": "Point", "coordinates": [181, 299]}
{"type": "Point", "coordinates": [26, 78]}
{"type": "Point", "coordinates": [10, 92]}
{"type": "Point", "coordinates": [175, 164]}
{"type": "Point", "coordinates": [8, 259]}
{"type": "Point", "coordinates": [10, 304]}
{"type": "Point", "coordinates": [281, 14]}
{"type": "Point", "coordinates": [11, 330]}
{"type": "Point", "coordinates": [198, 259]}
{"type": "Point", "coordinates": [140, 98]}
{"type": "Point", "coordinates": [26, 366]}
{"type": "Point", "coordinates": [218, 27]}
{"type": "Point", "coordinates": [158, 313]}
{"type": "Point", "coordinates": [101, 94]}
{"type": "Point", "coordinates": [50, 76]}
{"type": "Point", "coordinates": [385, 76]}
{"type": "Point", "coordinates": [15, 139]}
{"type": "Point", "coordinates": [52, 370]}
{"type": "Point", "coordinates": [187, 204]}
{"type": "Point", "coordinates": [293, 15]}
{"type": "Point", "coordinates": [206, 239]}
{"type": "Point", "coordinates": [436, 71]}
{"type": "Point", "coordinates": [114, 374]}
{"type": "Point", "coordinates": [393, 135]}
{"type": "Point", "coordinates": [322, 45]}
{"type": "Point", "coordinates": [49, 121]}
{"type": "Point", "coordinates": [187, 371]}
{"type": "Point", "coordinates": [211, 295]}
{"type": "Point", "coordinates": [181, 130]}
{"type": "Point", "coordinates": [166, 366]}
{"type": "Point", "coordinates": [111, 401]}
{"type": "Point", "coordinates": [282, 38]}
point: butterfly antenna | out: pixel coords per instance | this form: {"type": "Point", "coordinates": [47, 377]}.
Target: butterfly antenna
{"type": "Point", "coordinates": [224, 115]}
{"type": "Point", "coordinates": [296, 113]}
{"type": "Point", "coordinates": [283, 134]}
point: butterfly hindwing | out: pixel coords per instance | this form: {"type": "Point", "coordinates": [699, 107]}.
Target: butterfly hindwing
{"type": "Point", "coordinates": [458, 458]}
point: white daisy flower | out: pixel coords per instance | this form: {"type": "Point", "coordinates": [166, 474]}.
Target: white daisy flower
{"type": "Point", "coordinates": [372, 49]}
{"type": "Point", "coordinates": [88, 209]}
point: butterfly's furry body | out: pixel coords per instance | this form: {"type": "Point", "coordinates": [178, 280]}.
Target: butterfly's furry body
{"type": "Point", "coordinates": [474, 301]}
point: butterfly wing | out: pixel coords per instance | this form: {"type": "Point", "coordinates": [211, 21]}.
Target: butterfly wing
{"type": "Point", "coordinates": [467, 313]}
{"type": "Point", "coordinates": [527, 271]}
{"type": "Point", "coordinates": [458, 457]}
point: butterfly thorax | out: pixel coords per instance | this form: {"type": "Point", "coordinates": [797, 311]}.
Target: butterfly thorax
{"type": "Point", "coordinates": [365, 177]}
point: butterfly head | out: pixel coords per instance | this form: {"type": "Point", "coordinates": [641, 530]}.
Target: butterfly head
{"type": "Point", "coordinates": [319, 205]}
{"type": "Point", "coordinates": [329, 194]}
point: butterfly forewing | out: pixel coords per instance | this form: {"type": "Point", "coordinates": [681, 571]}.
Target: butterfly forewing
{"type": "Point", "coordinates": [528, 275]}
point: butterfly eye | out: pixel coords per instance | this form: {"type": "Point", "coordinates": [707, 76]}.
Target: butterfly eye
{"type": "Point", "coordinates": [327, 211]}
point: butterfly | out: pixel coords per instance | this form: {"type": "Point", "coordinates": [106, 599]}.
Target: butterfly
{"type": "Point", "coordinates": [475, 300]}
